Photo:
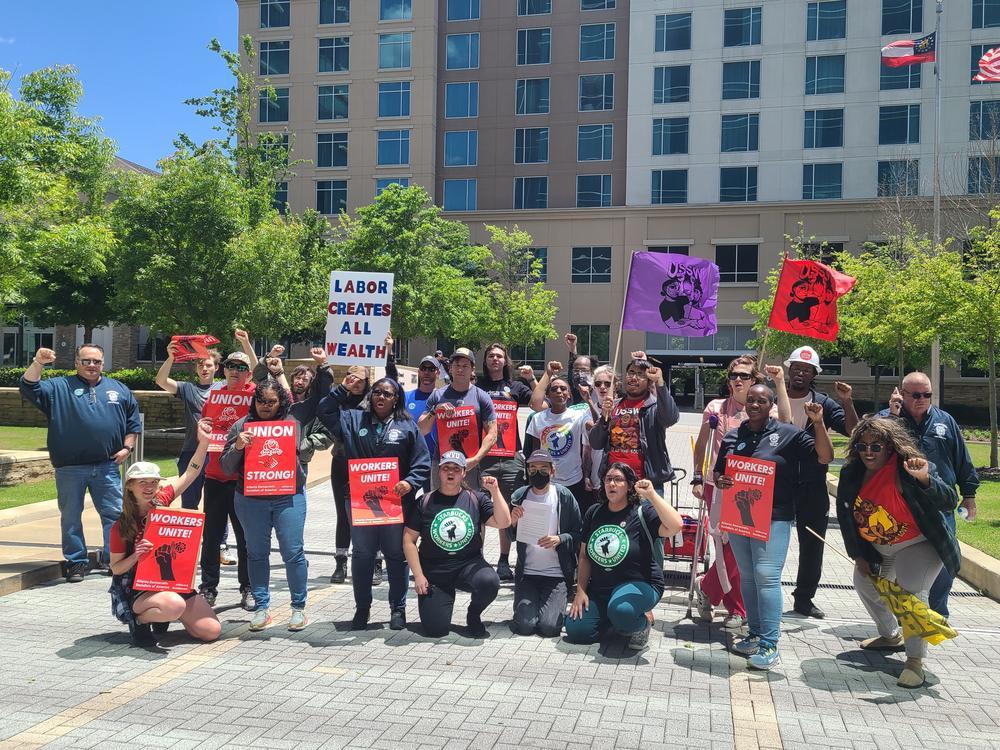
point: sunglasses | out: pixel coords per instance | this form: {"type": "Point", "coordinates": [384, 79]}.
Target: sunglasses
{"type": "Point", "coordinates": [602, 383]}
{"type": "Point", "coordinates": [91, 362]}
{"type": "Point", "coordinates": [427, 368]}
{"type": "Point", "coordinates": [869, 447]}
{"type": "Point", "coordinates": [740, 376]}
{"type": "Point", "coordinates": [918, 394]}
{"type": "Point", "coordinates": [383, 394]}
{"type": "Point", "coordinates": [237, 367]}
{"type": "Point", "coordinates": [267, 401]}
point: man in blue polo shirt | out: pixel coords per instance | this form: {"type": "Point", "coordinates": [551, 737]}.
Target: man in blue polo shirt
{"type": "Point", "coordinates": [93, 427]}
{"type": "Point", "coordinates": [416, 401]}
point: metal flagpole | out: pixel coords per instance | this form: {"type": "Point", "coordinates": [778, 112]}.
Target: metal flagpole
{"type": "Point", "coordinates": [621, 318]}
{"type": "Point", "coordinates": [938, 50]}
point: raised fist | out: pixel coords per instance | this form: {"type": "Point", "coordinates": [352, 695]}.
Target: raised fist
{"type": "Point", "coordinates": [775, 372]}
{"type": "Point", "coordinates": [553, 368]}
{"type": "Point", "coordinates": [318, 355]}
{"type": "Point", "coordinates": [570, 339]}
{"type": "Point", "coordinates": [843, 391]}
{"type": "Point", "coordinates": [45, 356]}
{"type": "Point", "coordinates": [242, 336]}
{"type": "Point", "coordinates": [814, 411]}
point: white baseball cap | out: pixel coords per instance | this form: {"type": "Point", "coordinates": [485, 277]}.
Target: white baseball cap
{"type": "Point", "coordinates": [143, 470]}
{"type": "Point", "coordinates": [807, 355]}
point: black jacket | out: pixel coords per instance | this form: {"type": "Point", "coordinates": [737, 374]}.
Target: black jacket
{"type": "Point", "coordinates": [655, 416]}
{"type": "Point", "coordinates": [834, 419]}
{"type": "Point", "coordinates": [570, 533]}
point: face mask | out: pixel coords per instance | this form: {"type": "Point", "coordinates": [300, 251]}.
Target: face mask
{"type": "Point", "coordinates": [539, 480]}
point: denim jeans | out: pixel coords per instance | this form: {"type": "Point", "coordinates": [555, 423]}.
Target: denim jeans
{"type": "Point", "coordinates": [367, 541]}
{"type": "Point", "coordinates": [191, 498]}
{"type": "Point", "coordinates": [938, 599]}
{"type": "Point", "coordinates": [760, 578]}
{"type": "Point", "coordinates": [287, 517]}
{"type": "Point", "coordinates": [625, 610]}
{"type": "Point", "coordinates": [104, 481]}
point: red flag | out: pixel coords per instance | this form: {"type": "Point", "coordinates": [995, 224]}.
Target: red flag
{"type": "Point", "coordinates": [192, 347]}
{"type": "Point", "coordinates": [909, 52]}
{"type": "Point", "coordinates": [806, 299]}
{"type": "Point", "coordinates": [989, 66]}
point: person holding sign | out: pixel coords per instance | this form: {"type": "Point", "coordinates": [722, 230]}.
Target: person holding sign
{"type": "Point", "coordinates": [760, 436]}
{"type": "Point", "coordinates": [547, 523]}
{"type": "Point", "coordinates": [448, 524]}
{"type": "Point", "coordinates": [387, 462]}
{"type": "Point", "coordinates": [620, 578]}
{"type": "Point", "coordinates": [891, 503]}
{"type": "Point", "coordinates": [147, 612]}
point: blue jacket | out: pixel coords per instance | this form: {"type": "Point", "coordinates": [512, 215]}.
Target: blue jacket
{"type": "Point", "coordinates": [87, 424]}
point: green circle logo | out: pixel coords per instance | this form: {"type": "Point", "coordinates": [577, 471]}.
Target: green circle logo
{"type": "Point", "coordinates": [608, 545]}
{"type": "Point", "coordinates": [452, 529]}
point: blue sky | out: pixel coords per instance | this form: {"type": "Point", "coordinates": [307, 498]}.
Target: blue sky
{"type": "Point", "coordinates": [138, 61]}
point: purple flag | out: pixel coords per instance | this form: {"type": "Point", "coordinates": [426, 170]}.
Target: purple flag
{"type": "Point", "coordinates": [672, 294]}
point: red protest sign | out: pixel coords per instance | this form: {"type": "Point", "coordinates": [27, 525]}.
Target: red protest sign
{"type": "Point", "coordinates": [373, 502]}
{"type": "Point", "coordinates": [176, 538]}
{"type": "Point", "coordinates": [460, 431]}
{"type": "Point", "coordinates": [805, 302]}
{"type": "Point", "coordinates": [269, 463]}
{"type": "Point", "coordinates": [506, 444]}
{"type": "Point", "coordinates": [746, 506]}
{"type": "Point", "coordinates": [225, 408]}
{"type": "Point", "coordinates": [187, 348]}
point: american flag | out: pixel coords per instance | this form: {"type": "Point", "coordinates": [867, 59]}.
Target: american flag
{"type": "Point", "coordinates": [989, 66]}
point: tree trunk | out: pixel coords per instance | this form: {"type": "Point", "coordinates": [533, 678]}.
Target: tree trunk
{"type": "Point", "coordinates": [899, 359]}
{"type": "Point", "coordinates": [991, 350]}
{"type": "Point", "coordinates": [88, 333]}
{"type": "Point", "coordinates": [875, 401]}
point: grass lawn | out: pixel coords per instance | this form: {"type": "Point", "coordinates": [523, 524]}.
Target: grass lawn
{"type": "Point", "coordinates": [22, 438]}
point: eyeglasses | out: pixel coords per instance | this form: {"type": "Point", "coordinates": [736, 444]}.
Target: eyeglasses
{"type": "Point", "coordinates": [267, 401]}
{"type": "Point", "coordinates": [383, 394]}
{"type": "Point", "coordinates": [918, 394]}
{"type": "Point", "coordinates": [91, 362]}
{"type": "Point", "coordinates": [869, 447]}
{"type": "Point", "coordinates": [602, 383]}
{"type": "Point", "coordinates": [237, 367]}
{"type": "Point", "coordinates": [614, 480]}
{"type": "Point", "coordinates": [740, 376]}
{"type": "Point", "coordinates": [427, 368]}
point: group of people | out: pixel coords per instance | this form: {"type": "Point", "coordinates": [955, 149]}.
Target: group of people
{"type": "Point", "coordinates": [585, 472]}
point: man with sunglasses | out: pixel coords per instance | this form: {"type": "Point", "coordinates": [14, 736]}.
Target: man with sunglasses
{"type": "Point", "coordinates": [93, 427]}
{"type": "Point", "coordinates": [416, 402]}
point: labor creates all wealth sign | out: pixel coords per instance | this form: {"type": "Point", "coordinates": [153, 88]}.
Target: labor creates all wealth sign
{"type": "Point", "coordinates": [269, 463]}
{"type": "Point", "coordinates": [358, 317]}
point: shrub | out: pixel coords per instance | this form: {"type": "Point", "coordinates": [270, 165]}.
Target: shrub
{"type": "Point", "coordinates": [135, 378]}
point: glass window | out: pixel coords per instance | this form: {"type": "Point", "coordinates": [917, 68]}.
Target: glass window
{"type": "Point", "coordinates": [382, 183]}
{"type": "Point", "coordinates": [826, 20]}
{"type": "Point", "coordinates": [538, 268]}
{"type": "Point", "coordinates": [741, 80]}
{"type": "Point", "coordinates": [533, 356]}
{"type": "Point", "coordinates": [531, 192]}
{"type": "Point", "coordinates": [740, 132]}
{"type": "Point", "coordinates": [273, 58]}
{"type": "Point", "coordinates": [825, 74]}
{"type": "Point", "coordinates": [597, 92]}
{"type": "Point", "coordinates": [280, 199]}
{"type": "Point", "coordinates": [823, 251]}
{"type": "Point", "coordinates": [273, 109]}
{"type": "Point", "coordinates": [394, 99]}
{"type": "Point", "coordinates": [333, 102]}
{"type": "Point", "coordinates": [531, 145]}
{"type": "Point", "coordinates": [824, 128]}
{"type": "Point", "coordinates": [463, 51]}
{"type": "Point", "coordinates": [737, 263]}
{"type": "Point", "coordinates": [673, 249]}
{"type": "Point", "coordinates": [737, 184]}
{"type": "Point", "coordinates": [741, 27]}
{"type": "Point", "coordinates": [331, 149]}
{"type": "Point", "coordinates": [669, 186]}
{"type": "Point", "coordinates": [594, 142]}
{"type": "Point", "coordinates": [534, 46]}
{"type": "Point", "coordinates": [672, 84]}
{"type": "Point", "coordinates": [334, 11]}
{"type": "Point", "coordinates": [533, 7]}
{"type": "Point", "coordinates": [532, 96]}
{"type": "Point", "coordinates": [597, 42]}
{"type": "Point", "coordinates": [597, 4]}
{"type": "Point", "coordinates": [899, 124]}
{"type": "Point", "coordinates": [461, 99]}
{"type": "Point", "coordinates": [590, 265]}
{"type": "Point", "coordinates": [985, 14]}
{"type": "Point", "coordinates": [461, 148]}
{"type": "Point", "coordinates": [822, 181]}
{"type": "Point", "coordinates": [335, 54]}
{"type": "Point", "coordinates": [672, 32]}
{"type": "Point", "coordinates": [459, 195]}
{"type": "Point", "coordinates": [275, 13]}
{"type": "Point", "coordinates": [904, 77]}
{"type": "Point", "coordinates": [275, 146]}
{"type": "Point", "coordinates": [393, 147]}
{"type": "Point", "coordinates": [902, 16]}
{"type": "Point", "coordinates": [984, 174]}
{"type": "Point", "coordinates": [394, 50]}
{"type": "Point", "coordinates": [898, 177]}
{"type": "Point", "coordinates": [331, 196]}
{"type": "Point", "coordinates": [395, 10]}
{"type": "Point", "coordinates": [593, 190]}
{"type": "Point", "coordinates": [670, 135]}
{"type": "Point", "coordinates": [463, 10]}
{"type": "Point", "coordinates": [595, 340]}
{"type": "Point", "coordinates": [984, 120]}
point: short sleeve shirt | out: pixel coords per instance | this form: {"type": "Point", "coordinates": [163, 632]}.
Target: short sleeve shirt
{"type": "Point", "coordinates": [118, 545]}
{"type": "Point", "coordinates": [509, 392]}
{"type": "Point", "coordinates": [619, 549]}
{"type": "Point", "coordinates": [450, 529]}
{"type": "Point", "coordinates": [475, 396]}
{"type": "Point", "coordinates": [563, 437]}
{"type": "Point", "coordinates": [193, 396]}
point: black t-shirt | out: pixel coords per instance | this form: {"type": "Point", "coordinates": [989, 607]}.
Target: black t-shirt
{"type": "Point", "coordinates": [450, 529]}
{"type": "Point", "coordinates": [619, 548]}
{"type": "Point", "coordinates": [786, 445]}
{"type": "Point", "coordinates": [502, 390]}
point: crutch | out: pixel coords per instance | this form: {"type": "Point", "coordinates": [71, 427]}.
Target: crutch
{"type": "Point", "coordinates": [699, 534]}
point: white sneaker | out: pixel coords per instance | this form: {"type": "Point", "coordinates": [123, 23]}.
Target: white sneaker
{"type": "Point", "coordinates": [734, 622]}
{"type": "Point", "coordinates": [261, 619]}
{"type": "Point", "coordinates": [298, 620]}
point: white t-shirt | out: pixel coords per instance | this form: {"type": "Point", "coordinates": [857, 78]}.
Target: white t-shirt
{"type": "Point", "coordinates": [563, 437]}
{"type": "Point", "coordinates": [799, 417]}
{"type": "Point", "coordinates": [539, 561]}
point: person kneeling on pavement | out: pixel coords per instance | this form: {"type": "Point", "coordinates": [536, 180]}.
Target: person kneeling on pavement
{"type": "Point", "coordinates": [546, 567]}
{"type": "Point", "coordinates": [620, 578]}
{"type": "Point", "coordinates": [149, 612]}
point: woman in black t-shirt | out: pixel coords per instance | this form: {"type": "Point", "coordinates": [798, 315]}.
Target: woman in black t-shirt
{"type": "Point", "coordinates": [620, 578]}
{"type": "Point", "coordinates": [448, 523]}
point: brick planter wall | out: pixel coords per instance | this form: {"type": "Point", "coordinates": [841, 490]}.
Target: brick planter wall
{"type": "Point", "coordinates": [161, 409]}
{"type": "Point", "coordinates": [15, 470]}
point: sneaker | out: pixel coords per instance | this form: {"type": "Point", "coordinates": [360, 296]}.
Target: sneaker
{"type": "Point", "coordinates": [247, 602]}
{"type": "Point", "coordinates": [913, 674]}
{"type": "Point", "coordinates": [360, 619]}
{"type": "Point", "coordinates": [638, 641]}
{"type": "Point", "coordinates": [225, 556]}
{"type": "Point", "coordinates": [377, 576]}
{"type": "Point", "coordinates": [298, 620]}
{"type": "Point", "coordinates": [476, 627]}
{"type": "Point", "coordinates": [99, 566]}
{"type": "Point", "coordinates": [504, 571]}
{"type": "Point", "coordinates": [734, 622]}
{"type": "Point", "coordinates": [141, 635]}
{"type": "Point", "coordinates": [160, 628]}
{"type": "Point", "coordinates": [705, 609]}
{"type": "Point", "coordinates": [765, 658]}
{"type": "Point", "coordinates": [397, 620]}
{"type": "Point", "coordinates": [340, 574]}
{"type": "Point", "coordinates": [746, 646]}
{"type": "Point", "coordinates": [261, 619]}
{"type": "Point", "coordinates": [890, 643]}
{"type": "Point", "coordinates": [210, 596]}
{"type": "Point", "coordinates": [76, 572]}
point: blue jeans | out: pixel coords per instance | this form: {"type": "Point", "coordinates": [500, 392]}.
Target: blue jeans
{"type": "Point", "coordinates": [191, 498]}
{"type": "Point", "coordinates": [104, 480]}
{"type": "Point", "coordinates": [287, 517]}
{"type": "Point", "coordinates": [938, 598]}
{"type": "Point", "coordinates": [760, 578]}
{"type": "Point", "coordinates": [625, 610]}
{"type": "Point", "coordinates": [368, 540]}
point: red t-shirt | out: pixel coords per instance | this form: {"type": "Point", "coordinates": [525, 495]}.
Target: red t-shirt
{"type": "Point", "coordinates": [881, 512]}
{"type": "Point", "coordinates": [623, 442]}
{"type": "Point", "coordinates": [221, 423]}
{"type": "Point", "coordinates": [116, 545]}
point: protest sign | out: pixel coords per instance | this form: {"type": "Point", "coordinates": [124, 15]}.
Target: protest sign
{"type": "Point", "coordinates": [188, 348]}
{"type": "Point", "coordinates": [225, 408]}
{"type": "Point", "coordinates": [746, 506]}
{"type": "Point", "coordinates": [358, 318]}
{"type": "Point", "coordinates": [373, 502]}
{"type": "Point", "coordinates": [506, 429]}
{"type": "Point", "coordinates": [176, 538]}
{"type": "Point", "coordinates": [269, 464]}
{"type": "Point", "coordinates": [459, 432]}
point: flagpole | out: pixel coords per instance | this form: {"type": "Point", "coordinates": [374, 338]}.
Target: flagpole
{"type": "Point", "coordinates": [621, 318]}
{"type": "Point", "coordinates": [938, 51]}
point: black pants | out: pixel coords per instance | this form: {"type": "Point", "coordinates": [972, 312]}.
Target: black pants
{"type": "Point", "coordinates": [341, 499]}
{"type": "Point", "coordinates": [218, 509]}
{"type": "Point", "coordinates": [539, 606]}
{"type": "Point", "coordinates": [583, 498]}
{"type": "Point", "coordinates": [812, 510]}
{"type": "Point", "coordinates": [436, 606]}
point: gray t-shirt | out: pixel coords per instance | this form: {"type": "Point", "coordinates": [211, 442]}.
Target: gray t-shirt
{"type": "Point", "coordinates": [475, 397]}
{"type": "Point", "coordinates": [194, 396]}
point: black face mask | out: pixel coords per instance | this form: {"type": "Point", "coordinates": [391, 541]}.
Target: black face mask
{"type": "Point", "coordinates": [539, 480]}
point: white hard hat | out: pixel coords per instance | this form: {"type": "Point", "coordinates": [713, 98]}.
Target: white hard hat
{"type": "Point", "coordinates": [807, 355]}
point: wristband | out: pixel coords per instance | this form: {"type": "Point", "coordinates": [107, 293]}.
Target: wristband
{"type": "Point", "coordinates": [697, 480]}
{"type": "Point", "coordinates": [128, 448]}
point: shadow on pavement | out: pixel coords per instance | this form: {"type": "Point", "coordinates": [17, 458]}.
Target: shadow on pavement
{"type": "Point", "coordinates": [816, 674]}
{"type": "Point", "coordinates": [115, 645]}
